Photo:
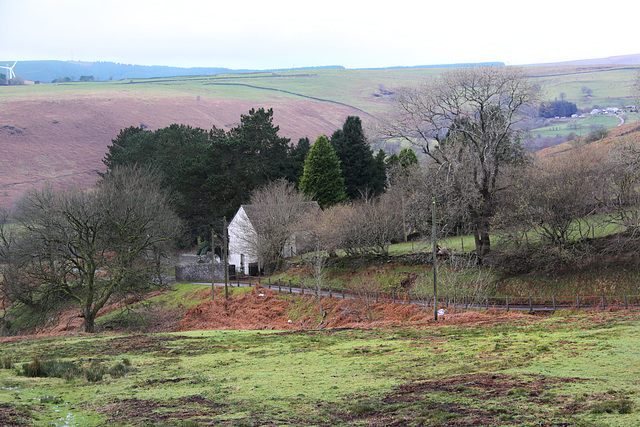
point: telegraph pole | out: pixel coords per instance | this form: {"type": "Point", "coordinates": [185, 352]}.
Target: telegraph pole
{"type": "Point", "coordinates": [213, 264]}
{"type": "Point", "coordinates": [226, 260]}
{"type": "Point", "coordinates": [435, 263]}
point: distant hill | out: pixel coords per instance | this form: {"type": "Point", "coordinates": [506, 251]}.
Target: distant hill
{"type": "Point", "coordinates": [610, 60]}
{"type": "Point", "coordinates": [47, 71]}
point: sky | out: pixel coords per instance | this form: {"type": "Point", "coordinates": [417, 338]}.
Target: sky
{"type": "Point", "coordinates": [271, 34]}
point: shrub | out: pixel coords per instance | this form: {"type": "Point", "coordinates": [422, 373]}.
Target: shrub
{"type": "Point", "coordinates": [7, 362]}
{"type": "Point", "coordinates": [32, 369]}
{"type": "Point", "coordinates": [50, 368]}
{"type": "Point", "coordinates": [621, 406]}
{"type": "Point", "coordinates": [596, 135]}
{"type": "Point", "coordinates": [120, 370]}
{"type": "Point", "coordinates": [56, 400]}
{"type": "Point", "coordinates": [94, 372]}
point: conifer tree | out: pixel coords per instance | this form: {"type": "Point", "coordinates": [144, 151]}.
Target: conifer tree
{"type": "Point", "coordinates": [322, 178]}
{"type": "Point", "coordinates": [356, 159]}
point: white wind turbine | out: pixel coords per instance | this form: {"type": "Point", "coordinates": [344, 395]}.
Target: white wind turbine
{"type": "Point", "coordinates": [10, 69]}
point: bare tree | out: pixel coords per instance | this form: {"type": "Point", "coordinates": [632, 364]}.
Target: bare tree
{"type": "Point", "coordinates": [564, 197]}
{"type": "Point", "coordinates": [466, 121]}
{"type": "Point", "coordinates": [85, 248]}
{"type": "Point", "coordinates": [549, 211]}
{"type": "Point", "coordinates": [623, 190]}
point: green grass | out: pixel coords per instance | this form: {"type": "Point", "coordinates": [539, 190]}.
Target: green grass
{"type": "Point", "coordinates": [579, 126]}
{"type": "Point", "coordinates": [359, 88]}
{"type": "Point", "coordinates": [560, 369]}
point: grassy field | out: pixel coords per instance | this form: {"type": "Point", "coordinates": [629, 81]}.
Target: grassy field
{"type": "Point", "coordinates": [582, 126]}
{"type": "Point", "coordinates": [364, 89]}
{"type": "Point", "coordinates": [471, 369]}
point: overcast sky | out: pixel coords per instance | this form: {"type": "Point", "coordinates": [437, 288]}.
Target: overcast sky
{"type": "Point", "coordinates": [265, 34]}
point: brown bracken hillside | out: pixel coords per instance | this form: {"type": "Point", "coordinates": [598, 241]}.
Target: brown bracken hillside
{"type": "Point", "coordinates": [63, 140]}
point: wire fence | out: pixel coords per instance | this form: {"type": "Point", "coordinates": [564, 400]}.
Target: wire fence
{"type": "Point", "coordinates": [527, 303]}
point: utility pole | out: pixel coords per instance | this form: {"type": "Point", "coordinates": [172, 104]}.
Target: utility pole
{"type": "Point", "coordinates": [213, 263]}
{"type": "Point", "coordinates": [435, 263]}
{"type": "Point", "coordinates": [226, 260]}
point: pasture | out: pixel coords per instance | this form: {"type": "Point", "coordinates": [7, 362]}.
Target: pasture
{"type": "Point", "coordinates": [473, 368]}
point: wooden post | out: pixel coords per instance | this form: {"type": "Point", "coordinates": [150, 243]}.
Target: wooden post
{"type": "Point", "coordinates": [269, 282]}
{"type": "Point", "coordinates": [530, 305]}
{"type": "Point", "coordinates": [626, 305]}
{"type": "Point", "coordinates": [435, 262]}
{"type": "Point", "coordinates": [226, 258]}
{"type": "Point", "coordinates": [507, 302]}
{"type": "Point", "coordinates": [213, 270]}
{"type": "Point", "coordinates": [578, 302]}
{"type": "Point", "coordinates": [603, 304]}
{"type": "Point", "coordinates": [279, 286]}
{"type": "Point", "coordinates": [554, 303]}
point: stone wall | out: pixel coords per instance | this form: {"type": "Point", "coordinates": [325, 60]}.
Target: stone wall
{"type": "Point", "coordinates": [201, 272]}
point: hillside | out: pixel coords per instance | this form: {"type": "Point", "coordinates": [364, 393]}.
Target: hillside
{"type": "Point", "coordinates": [60, 132]}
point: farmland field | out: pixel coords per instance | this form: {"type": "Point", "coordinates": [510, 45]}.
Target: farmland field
{"type": "Point", "coordinates": [472, 368]}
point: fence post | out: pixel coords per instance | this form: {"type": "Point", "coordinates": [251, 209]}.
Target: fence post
{"type": "Point", "coordinates": [269, 282]}
{"type": "Point", "coordinates": [466, 302]}
{"type": "Point", "coordinates": [530, 305]}
{"type": "Point", "coordinates": [554, 303]}
{"type": "Point", "coordinates": [302, 290]}
{"type": "Point", "coordinates": [626, 305]}
{"type": "Point", "coordinates": [330, 293]}
{"type": "Point", "coordinates": [603, 304]}
{"type": "Point", "coordinates": [486, 301]}
{"type": "Point", "coordinates": [578, 302]}
{"type": "Point", "coordinates": [393, 295]}
{"type": "Point", "coordinates": [279, 286]}
{"type": "Point", "coordinates": [507, 302]}
{"type": "Point", "coordinates": [290, 287]}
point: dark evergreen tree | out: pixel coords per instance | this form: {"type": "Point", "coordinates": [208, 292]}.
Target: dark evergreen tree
{"type": "Point", "coordinates": [210, 173]}
{"type": "Point", "coordinates": [557, 109]}
{"type": "Point", "coordinates": [356, 159]}
{"type": "Point", "coordinates": [295, 160]}
{"type": "Point", "coordinates": [381, 172]}
{"type": "Point", "coordinates": [400, 163]}
{"type": "Point", "coordinates": [322, 178]}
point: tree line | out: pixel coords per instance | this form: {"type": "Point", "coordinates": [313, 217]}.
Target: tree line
{"type": "Point", "coordinates": [213, 172]}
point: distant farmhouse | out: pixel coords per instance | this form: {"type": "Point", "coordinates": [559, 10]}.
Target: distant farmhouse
{"type": "Point", "coordinates": [244, 238]}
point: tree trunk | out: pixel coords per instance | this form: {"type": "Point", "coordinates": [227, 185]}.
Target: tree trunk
{"type": "Point", "coordinates": [482, 239]}
{"type": "Point", "coordinates": [89, 320]}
